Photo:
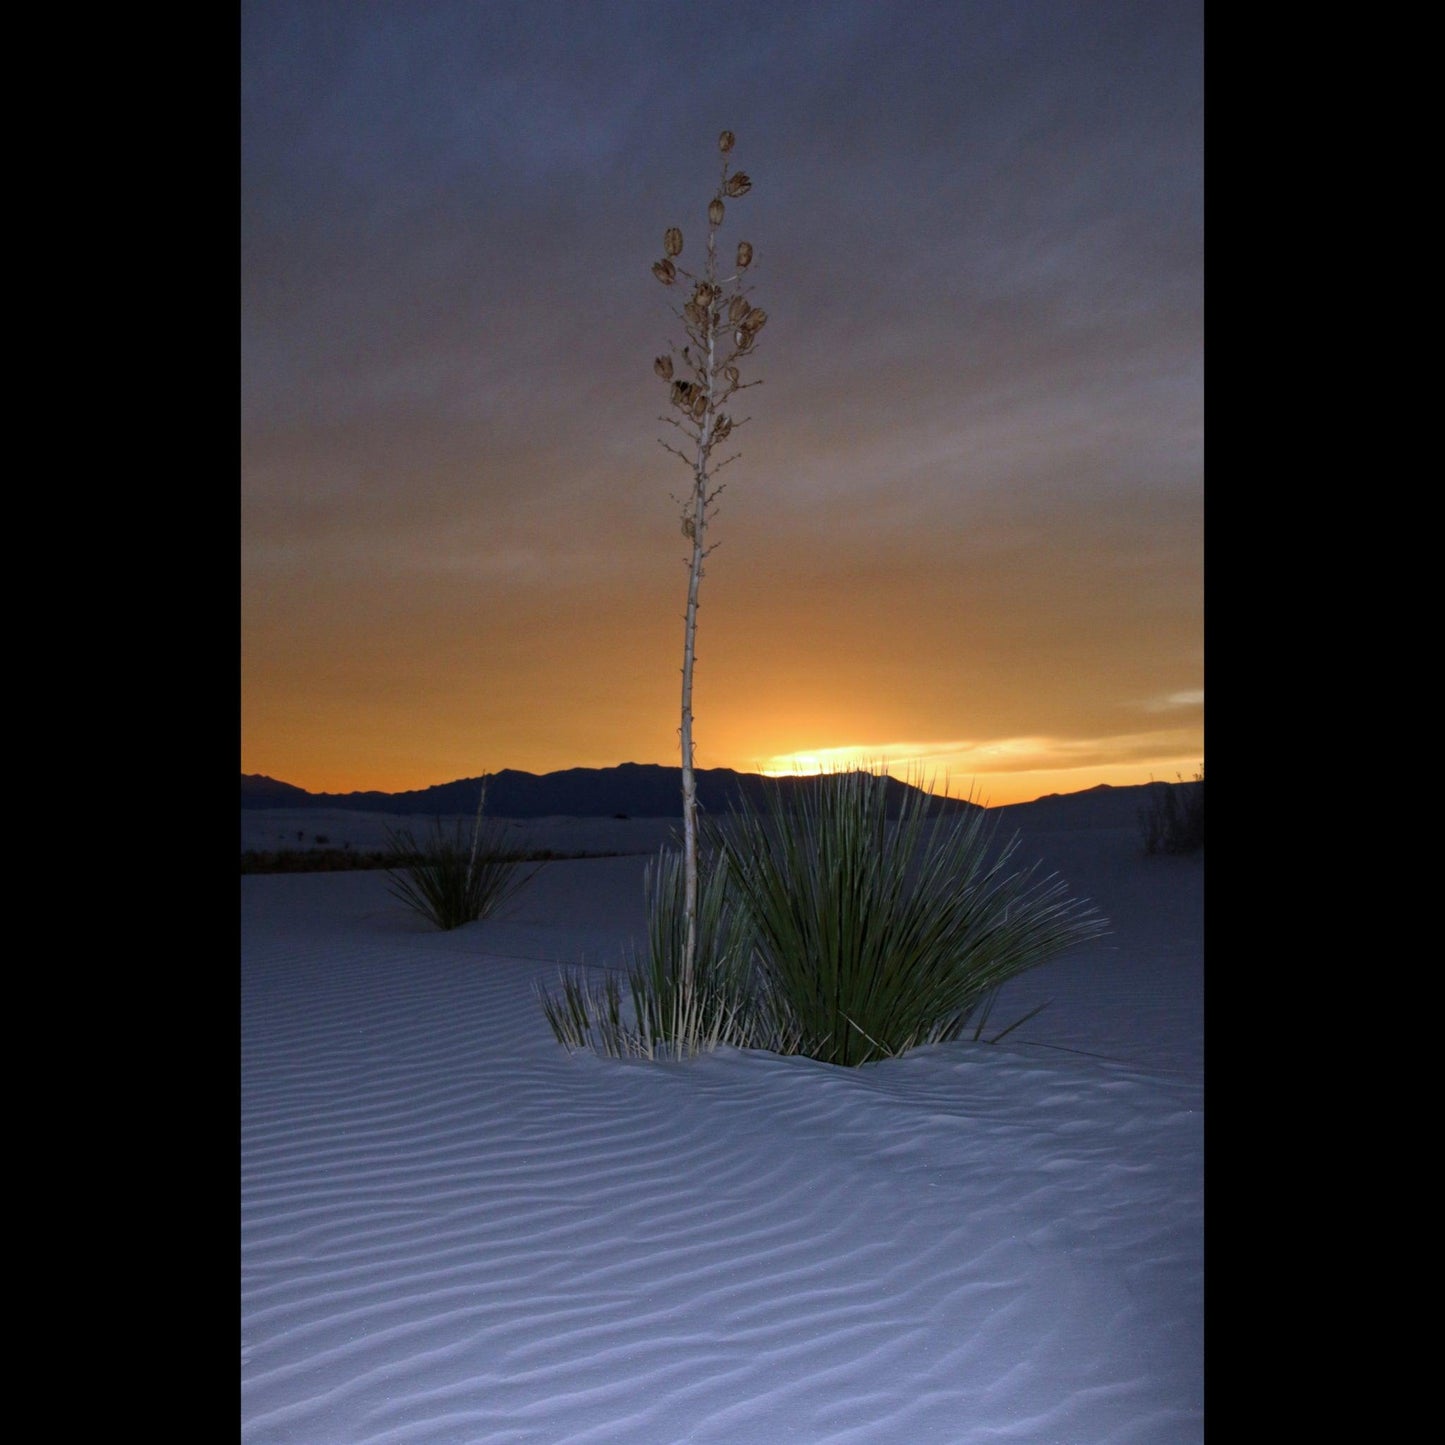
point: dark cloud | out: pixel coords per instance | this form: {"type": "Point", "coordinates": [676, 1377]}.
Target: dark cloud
{"type": "Point", "coordinates": [979, 240]}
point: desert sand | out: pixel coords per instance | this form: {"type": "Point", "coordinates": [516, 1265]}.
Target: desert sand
{"type": "Point", "coordinates": [454, 1231]}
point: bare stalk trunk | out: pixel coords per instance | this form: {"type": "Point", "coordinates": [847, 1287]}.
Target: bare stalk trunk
{"type": "Point", "coordinates": [689, 655]}
{"type": "Point", "coordinates": [689, 646]}
{"type": "Point", "coordinates": [709, 317]}
{"type": "Point", "coordinates": [689, 778]}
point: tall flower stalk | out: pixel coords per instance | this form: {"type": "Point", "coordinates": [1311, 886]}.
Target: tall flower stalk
{"type": "Point", "coordinates": [721, 328]}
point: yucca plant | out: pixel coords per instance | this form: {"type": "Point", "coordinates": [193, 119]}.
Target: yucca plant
{"type": "Point", "coordinates": [1174, 820]}
{"type": "Point", "coordinates": [721, 327]}
{"type": "Point", "coordinates": [874, 935]}
{"type": "Point", "coordinates": [667, 1012]}
{"type": "Point", "coordinates": [451, 879]}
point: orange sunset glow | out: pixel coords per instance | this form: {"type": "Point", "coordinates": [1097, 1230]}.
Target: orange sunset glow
{"type": "Point", "coordinates": [963, 534]}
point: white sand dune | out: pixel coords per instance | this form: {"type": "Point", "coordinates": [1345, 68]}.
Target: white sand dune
{"type": "Point", "coordinates": [453, 1231]}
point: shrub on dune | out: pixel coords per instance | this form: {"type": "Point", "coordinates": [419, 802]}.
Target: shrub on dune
{"type": "Point", "coordinates": [451, 879]}
{"type": "Point", "coordinates": [874, 935]}
{"type": "Point", "coordinates": [1174, 820]}
{"type": "Point", "coordinates": [829, 929]}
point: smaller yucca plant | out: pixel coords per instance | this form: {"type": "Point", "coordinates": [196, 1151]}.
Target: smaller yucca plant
{"type": "Point", "coordinates": [451, 879]}
{"type": "Point", "coordinates": [1174, 820]}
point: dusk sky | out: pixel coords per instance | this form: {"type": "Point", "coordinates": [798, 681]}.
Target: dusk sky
{"type": "Point", "coordinates": [964, 534]}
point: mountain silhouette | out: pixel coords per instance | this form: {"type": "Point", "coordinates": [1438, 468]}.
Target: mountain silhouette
{"type": "Point", "coordinates": [633, 790]}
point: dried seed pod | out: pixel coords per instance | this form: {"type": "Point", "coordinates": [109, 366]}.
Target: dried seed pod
{"type": "Point", "coordinates": [696, 314]}
{"type": "Point", "coordinates": [725, 141]}
{"type": "Point", "coordinates": [737, 310]}
{"type": "Point", "coordinates": [732, 376]}
{"type": "Point", "coordinates": [663, 367]}
{"type": "Point", "coordinates": [672, 241]}
{"type": "Point", "coordinates": [665, 271]}
{"type": "Point", "coordinates": [755, 320]}
{"type": "Point", "coordinates": [743, 340]}
{"type": "Point", "coordinates": [704, 294]}
{"type": "Point", "coordinates": [737, 185]}
{"type": "Point", "coordinates": [745, 255]}
{"type": "Point", "coordinates": [699, 405]}
{"type": "Point", "coordinates": [715, 212]}
{"type": "Point", "coordinates": [689, 527]}
{"type": "Point", "coordinates": [722, 428]}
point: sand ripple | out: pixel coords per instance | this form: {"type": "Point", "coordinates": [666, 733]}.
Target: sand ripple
{"type": "Point", "coordinates": [453, 1232]}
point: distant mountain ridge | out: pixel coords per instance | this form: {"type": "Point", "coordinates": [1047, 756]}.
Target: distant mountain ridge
{"type": "Point", "coordinates": [633, 790]}
{"type": "Point", "coordinates": [646, 790]}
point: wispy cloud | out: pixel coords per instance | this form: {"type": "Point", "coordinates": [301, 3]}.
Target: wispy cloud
{"type": "Point", "coordinates": [1192, 697]}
